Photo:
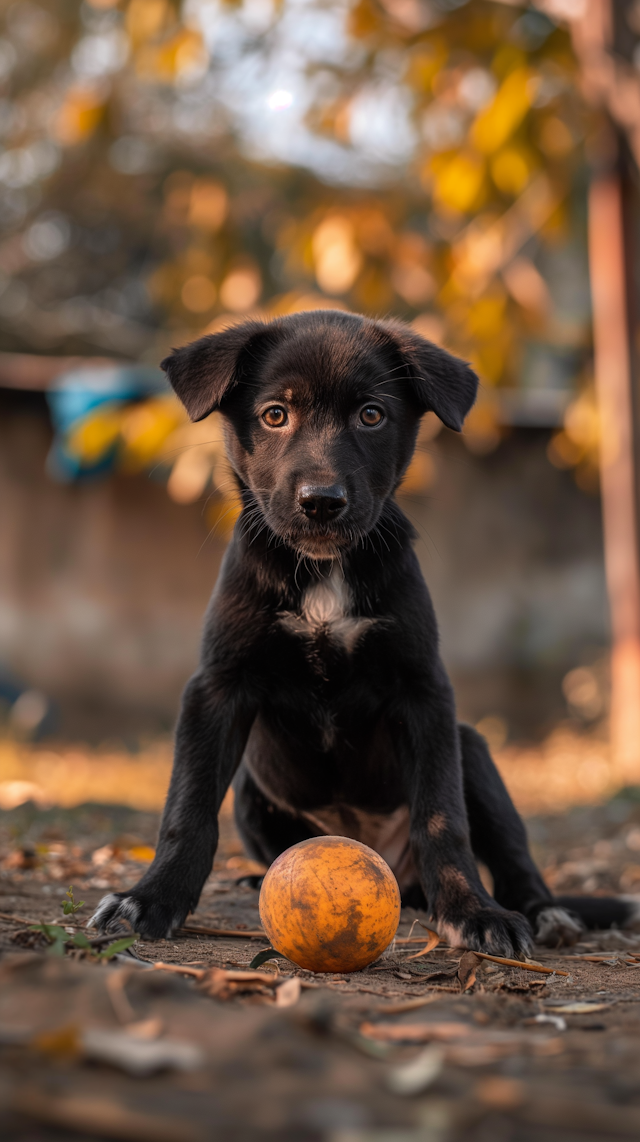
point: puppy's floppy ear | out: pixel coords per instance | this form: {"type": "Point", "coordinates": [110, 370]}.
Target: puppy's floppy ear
{"type": "Point", "coordinates": [203, 371]}
{"type": "Point", "coordinates": [441, 382]}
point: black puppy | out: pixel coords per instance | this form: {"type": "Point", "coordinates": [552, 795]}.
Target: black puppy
{"type": "Point", "coordinates": [321, 692]}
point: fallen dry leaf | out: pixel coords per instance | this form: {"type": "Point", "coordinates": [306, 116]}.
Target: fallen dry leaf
{"type": "Point", "coordinates": [101, 856]}
{"type": "Point", "coordinates": [432, 943]}
{"type": "Point", "coordinates": [21, 859]}
{"type": "Point", "coordinates": [63, 1042]}
{"type": "Point", "coordinates": [222, 984]}
{"type": "Point", "coordinates": [501, 1093]}
{"type": "Point", "coordinates": [555, 1020]}
{"type": "Point", "coordinates": [522, 987]}
{"type": "Point", "coordinates": [419, 1074]}
{"type": "Point", "coordinates": [468, 969]}
{"type": "Point", "coordinates": [143, 853]}
{"type": "Point", "coordinates": [180, 969]}
{"type": "Point", "coordinates": [288, 993]}
{"type": "Point", "coordinates": [579, 1007]}
{"type": "Point", "coordinates": [139, 1056]}
{"type": "Point", "coordinates": [477, 1054]}
{"type": "Point", "coordinates": [238, 975]}
{"type": "Point", "coordinates": [437, 976]}
{"type": "Point", "coordinates": [145, 1028]}
{"type": "Point", "coordinates": [414, 1032]}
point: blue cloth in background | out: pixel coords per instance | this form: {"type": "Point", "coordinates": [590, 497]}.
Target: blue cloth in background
{"type": "Point", "coordinates": [75, 394]}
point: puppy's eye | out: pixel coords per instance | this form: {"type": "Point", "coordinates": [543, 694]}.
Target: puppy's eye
{"type": "Point", "coordinates": [275, 417]}
{"type": "Point", "coordinates": [371, 415]}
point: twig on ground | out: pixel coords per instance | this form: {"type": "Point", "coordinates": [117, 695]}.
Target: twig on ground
{"type": "Point", "coordinates": [96, 941]}
{"type": "Point", "coordinates": [238, 976]}
{"type": "Point", "coordinates": [616, 957]}
{"type": "Point", "coordinates": [198, 930]}
{"type": "Point", "coordinates": [61, 921]}
{"type": "Point", "coordinates": [520, 964]}
{"type": "Point", "coordinates": [417, 1032]}
{"type": "Point", "coordinates": [19, 919]}
{"type": "Point", "coordinates": [181, 969]}
{"type": "Point", "coordinates": [405, 1005]}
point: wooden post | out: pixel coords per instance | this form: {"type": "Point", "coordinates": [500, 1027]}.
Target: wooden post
{"type": "Point", "coordinates": [613, 369]}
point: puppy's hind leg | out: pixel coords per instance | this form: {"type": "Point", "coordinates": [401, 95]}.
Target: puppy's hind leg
{"type": "Point", "coordinates": [498, 838]}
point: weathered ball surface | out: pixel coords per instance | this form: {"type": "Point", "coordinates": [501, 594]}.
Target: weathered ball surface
{"type": "Point", "coordinates": [330, 904]}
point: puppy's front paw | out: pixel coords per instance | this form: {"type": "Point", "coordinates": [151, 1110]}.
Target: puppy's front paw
{"type": "Point", "coordinates": [491, 930]}
{"type": "Point", "coordinates": [144, 912]}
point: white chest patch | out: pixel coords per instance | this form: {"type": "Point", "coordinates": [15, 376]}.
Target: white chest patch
{"type": "Point", "coordinates": [326, 609]}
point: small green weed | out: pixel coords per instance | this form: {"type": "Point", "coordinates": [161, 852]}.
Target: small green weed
{"type": "Point", "coordinates": [118, 946]}
{"type": "Point", "coordinates": [70, 907]}
{"type": "Point", "coordinates": [59, 940]}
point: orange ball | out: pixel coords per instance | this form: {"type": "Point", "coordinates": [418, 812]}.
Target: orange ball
{"type": "Point", "coordinates": [330, 904]}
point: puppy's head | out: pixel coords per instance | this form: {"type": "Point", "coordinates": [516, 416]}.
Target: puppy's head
{"type": "Point", "coordinates": [321, 412]}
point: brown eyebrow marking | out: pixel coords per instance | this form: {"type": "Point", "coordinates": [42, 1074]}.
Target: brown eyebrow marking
{"type": "Point", "coordinates": [287, 394]}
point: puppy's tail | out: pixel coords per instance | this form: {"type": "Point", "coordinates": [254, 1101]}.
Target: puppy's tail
{"type": "Point", "coordinates": [567, 917]}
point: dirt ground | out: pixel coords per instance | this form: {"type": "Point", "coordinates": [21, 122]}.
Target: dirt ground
{"type": "Point", "coordinates": [433, 1049]}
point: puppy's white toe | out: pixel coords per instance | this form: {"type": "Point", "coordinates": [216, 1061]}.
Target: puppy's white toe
{"type": "Point", "coordinates": [113, 908]}
{"type": "Point", "coordinates": [555, 926]}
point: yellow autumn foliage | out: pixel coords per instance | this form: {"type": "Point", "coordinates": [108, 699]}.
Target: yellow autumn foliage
{"type": "Point", "coordinates": [79, 115]}
{"type": "Point", "coordinates": [496, 123]}
{"type": "Point", "coordinates": [165, 62]}
{"type": "Point", "coordinates": [511, 170]}
{"type": "Point", "coordinates": [145, 19]}
{"type": "Point", "coordinates": [96, 434]}
{"type": "Point", "coordinates": [146, 426]}
{"type": "Point", "coordinates": [458, 181]}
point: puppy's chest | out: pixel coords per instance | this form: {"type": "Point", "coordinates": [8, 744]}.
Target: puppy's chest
{"type": "Point", "coordinates": [326, 613]}
{"type": "Point", "coordinates": [385, 833]}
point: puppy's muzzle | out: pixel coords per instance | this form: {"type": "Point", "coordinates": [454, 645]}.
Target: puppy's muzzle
{"type": "Point", "coordinates": [321, 504]}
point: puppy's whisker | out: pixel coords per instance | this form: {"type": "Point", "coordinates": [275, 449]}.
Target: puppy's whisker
{"type": "Point", "coordinates": [378, 532]}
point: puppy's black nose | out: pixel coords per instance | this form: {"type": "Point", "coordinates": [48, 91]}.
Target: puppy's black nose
{"type": "Point", "coordinates": [322, 504]}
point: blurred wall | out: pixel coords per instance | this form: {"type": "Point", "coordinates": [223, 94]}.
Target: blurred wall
{"type": "Point", "coordinates": [512, 552]}
{"type": "Point", "coordinates": [103, 585]}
